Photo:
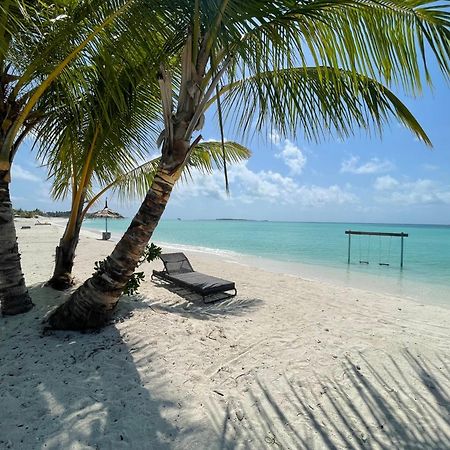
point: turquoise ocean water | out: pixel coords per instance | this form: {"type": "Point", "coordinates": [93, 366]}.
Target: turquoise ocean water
{"type": "Point", "coordinates": [319, 250]}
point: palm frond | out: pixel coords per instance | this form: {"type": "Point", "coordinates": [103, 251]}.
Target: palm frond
{"type": "Point", "coordinates": [317, 100]}
{"type": "Point", "coordinates": [208, 155]}
{"type": "Point", "coordinates": [387, 40]}
{"type": "Point", "coordinates": [360, 48]}
{"type": "Point", "coordinates": [120, 99]}
{"type": "Point", "coordinates": [205, 157]}
{"type": "Point", "coordinates": [44, 41]}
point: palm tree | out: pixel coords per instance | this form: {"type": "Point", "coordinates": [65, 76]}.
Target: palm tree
{"type": "Point", "coordinates": [102, 137]}
{"type": "Point", "coordinates": [316, 65]}
{"type": "Point", "coordinates": [205, 157]}
{"type": "Point", "coordinates": [117, 129]}
{"type": "Point", "coordinates": [41, 42]}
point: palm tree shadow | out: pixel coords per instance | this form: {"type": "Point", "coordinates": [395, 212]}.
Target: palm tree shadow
{"type": "Point", "coordinates": [402, 404]}
{"type": "Point", "coordinates": [67, 389]}
{"type": "Point", "coordinates": [189, 304]}
{"type": "Point", "coordinates": [192, 305]}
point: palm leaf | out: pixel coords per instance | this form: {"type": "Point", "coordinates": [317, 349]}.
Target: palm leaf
{"type": "Point", "coordinates": [205, 157]}
{"type": "Point", "coordinates": [208, 155]}
{"type": "Point", "coordinates": [385, 40]}
{"type": "Point", "coordinates": [47, 41]}
{"type": "Point", "coordinates": [318, 100]}
{"type": "Point", "coordinates": [359, 48]}
{"type": "Point", "coordinates": [120, 101]}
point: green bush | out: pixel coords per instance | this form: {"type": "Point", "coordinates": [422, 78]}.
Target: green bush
{"type": "Point", "coordinates": [151, 252]}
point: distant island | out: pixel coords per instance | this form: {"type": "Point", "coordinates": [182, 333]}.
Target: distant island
{"type": "Point", "coordinates": [243, 220]}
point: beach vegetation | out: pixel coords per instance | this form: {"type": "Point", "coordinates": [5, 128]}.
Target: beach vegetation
{"type": "Point", "coordinates": [44, 46]}
{"type": "Point", "coordinates": [151, 253]}
{"type": "Point", "coordinates": [318, 67]}
{"type": "Point", "coordinates": [26, 214]}
{"type": "Point", "coordinates": [206, 157]}
{"type": "Point", "coordinates": [113, 149]}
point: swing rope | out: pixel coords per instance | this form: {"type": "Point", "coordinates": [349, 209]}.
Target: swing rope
{"type": "Point", "coordinates": [366, 261]}
{"type": "Point", "coordinates": [388, 254]}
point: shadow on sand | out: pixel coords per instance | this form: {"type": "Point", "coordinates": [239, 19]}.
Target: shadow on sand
{"type": "Point", "coordinates": [402, 404]}
{"type": "Point", "coordinates": [68, 390]}
{"type": "Point", "coordinates": [79, 391]}
{"type": "Point", "coordinates": [192, 305]}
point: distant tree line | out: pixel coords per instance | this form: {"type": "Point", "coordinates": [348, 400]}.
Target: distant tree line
{"type": "Point", "coordinates": [28, 214]}
{"type": "Point", "coordinates": [37, 212]}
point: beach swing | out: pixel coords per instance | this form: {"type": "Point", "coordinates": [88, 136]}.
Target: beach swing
{"type": "Point", "coordinates": [385, 261]}
{"type": "Point", "coordinates": [380, 252]}
{"type": "Point", "coordinates": [366, 260]}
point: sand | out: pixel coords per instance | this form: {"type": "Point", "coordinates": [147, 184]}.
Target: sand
{"type": "Point", "coordinates": [287, 364]}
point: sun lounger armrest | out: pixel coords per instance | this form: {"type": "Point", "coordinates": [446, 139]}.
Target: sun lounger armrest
{"type": "Point", "coordinates": [158, 274]}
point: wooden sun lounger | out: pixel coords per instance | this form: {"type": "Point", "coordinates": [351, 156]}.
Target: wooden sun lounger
{"type": "Point", "coordinates": [178, 270]}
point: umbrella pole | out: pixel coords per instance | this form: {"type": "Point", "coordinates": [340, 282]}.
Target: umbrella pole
{"type": "Point", "coordinates": [106, 223]}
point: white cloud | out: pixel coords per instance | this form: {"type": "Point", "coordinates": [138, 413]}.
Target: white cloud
{"type": "Point", "coordinates": [214, 140]}
{"type": "Point", "coordinates": [385, 183]}
{"type": "Point", "coordinates": [374, 165]}
{"type": "Point", "coordinates": [265, 186]}
{"type": "Point", "coordinates": [202, 185]}
{"type": "Point", "coordinates": [23, 174]}
{"type": "Point", "coordinates": [43, 194]}
{"type": "Point", "coordinates": [30, 190]}
{"type": "Point", "coordinates": [275, 137]}
{"type": "Point", "coordinates": [422, 191]}
{"type": "Point", "coordinates": [293, 157]}
{"type": "Point", "coordinates": [289, 153]}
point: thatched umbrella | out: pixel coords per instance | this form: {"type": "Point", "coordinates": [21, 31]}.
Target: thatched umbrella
{"type": "Point", "coordinates": [107, 213]}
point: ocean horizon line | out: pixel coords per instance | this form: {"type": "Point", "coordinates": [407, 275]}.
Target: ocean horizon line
{"type": "Point", "coordinates": [304, 221]}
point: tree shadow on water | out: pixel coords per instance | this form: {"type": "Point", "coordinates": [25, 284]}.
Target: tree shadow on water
{"type": "Point", "coordinates": [69, 390]}
{"type": "Point", "coordinates": [395, 403]}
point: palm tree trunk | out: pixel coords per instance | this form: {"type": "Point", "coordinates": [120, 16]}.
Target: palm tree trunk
{"type": "Point", "coordinates": [92, 304]}
{"type": "Point", "coordinates": [65, 252]}
{"type": "Point", "coordinates": [14, 295]}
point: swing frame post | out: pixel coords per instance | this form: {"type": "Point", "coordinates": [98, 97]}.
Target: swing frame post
{"type": "Point", "coordinates": [349, 246]}
{"type": "Point", "coordinates": [401, 253]}
{"type": "Point", "coordinates": [377, 233]}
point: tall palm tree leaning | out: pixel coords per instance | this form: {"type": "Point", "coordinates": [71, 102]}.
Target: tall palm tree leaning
{"type": "Point", "coordinates": [205, 157]}
{"type": "Point", "coordinates": [122, 106]}
{"type": "Point", "coordinates": [74, 166]}
{"type": "Point", "coordinates": [316, 65]}
{"type": "Point", "coordinates": [41, 42]}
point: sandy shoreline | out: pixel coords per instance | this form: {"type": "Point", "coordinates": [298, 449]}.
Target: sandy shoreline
{"type": "Point", "coordinates": [289, 363]}
{"type": "Point", "coordinates": [393, 283]}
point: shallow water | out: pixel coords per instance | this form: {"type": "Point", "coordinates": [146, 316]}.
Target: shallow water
{"type": "Point", "coordinates": [319, 250]}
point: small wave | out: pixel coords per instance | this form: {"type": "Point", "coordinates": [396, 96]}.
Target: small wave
{"type": "Point", "coordinates": [199, 249]}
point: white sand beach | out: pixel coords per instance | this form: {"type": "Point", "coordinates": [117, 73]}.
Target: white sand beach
{"type": "Point", "coordinates": [287, 364]}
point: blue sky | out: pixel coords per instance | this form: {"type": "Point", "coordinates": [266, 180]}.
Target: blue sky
{"type": "Point", "coordinates": [395, 179]}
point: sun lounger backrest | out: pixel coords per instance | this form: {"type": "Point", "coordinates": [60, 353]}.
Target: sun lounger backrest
{"type": "Point", "coordinates": [176, 263]}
